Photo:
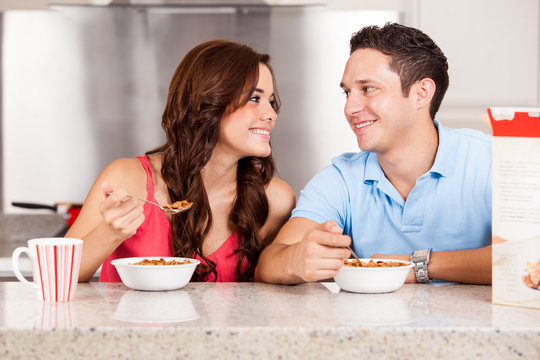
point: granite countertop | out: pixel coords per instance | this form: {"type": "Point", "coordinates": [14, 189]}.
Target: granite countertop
{"type": "Point", "coordinates": [256, 320]}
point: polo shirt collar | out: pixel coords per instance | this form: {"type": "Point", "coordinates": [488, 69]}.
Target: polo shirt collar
{"type": "Point", "coordinates": [444, 160]}
{"type": "Point", "coordinates": [373, 170]}
{"type": "Point", "coordinates": [374, 173]}
{"type": "Point", "coordinates": [443, 164]}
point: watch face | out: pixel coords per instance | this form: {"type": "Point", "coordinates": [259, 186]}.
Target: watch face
{"type": "Point", "coordinates": [423, 252]}
{"type": "Point", "coordinates": [420, 255]}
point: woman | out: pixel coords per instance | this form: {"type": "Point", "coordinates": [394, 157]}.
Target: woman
{"type": "Point", "coordinates": [220, 111]}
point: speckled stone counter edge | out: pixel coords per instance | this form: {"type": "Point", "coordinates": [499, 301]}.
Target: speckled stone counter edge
{"type": "Point", "coordinates": [283, 343]}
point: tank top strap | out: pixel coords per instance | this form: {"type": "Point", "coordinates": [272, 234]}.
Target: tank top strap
{"type": "Point", "coordinates": [145, 162]}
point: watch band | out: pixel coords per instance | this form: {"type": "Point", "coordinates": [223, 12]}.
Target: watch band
{"type": "Point", "coordinates": [420, 259]}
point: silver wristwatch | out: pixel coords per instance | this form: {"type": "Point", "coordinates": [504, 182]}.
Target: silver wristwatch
{"type": "Point", "coordinates": [420, 259]}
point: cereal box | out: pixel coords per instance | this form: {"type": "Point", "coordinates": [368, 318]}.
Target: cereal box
{"type": "Point", "coordinates": [516, 206]}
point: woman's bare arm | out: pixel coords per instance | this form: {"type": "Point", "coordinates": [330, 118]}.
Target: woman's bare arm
{"type": "Point", "coordinates": [106, 221]}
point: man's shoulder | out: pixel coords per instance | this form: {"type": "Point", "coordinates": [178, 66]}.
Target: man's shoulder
{"type": "Point", "coordinates": [468, 145]}
{"type": "Point", "coordinates": [471, 135]}
{"type": "Point", "coordinates": [467, 154]}
{"type": "Point", "coordinates": [341, 168]}
{"type": "Point", "coordinates": [350, 159]}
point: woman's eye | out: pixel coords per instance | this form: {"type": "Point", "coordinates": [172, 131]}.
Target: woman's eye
{"type": "Point", "coordinates": [273, 104]}
{"type": "Point", "coordinates": [255, 98]}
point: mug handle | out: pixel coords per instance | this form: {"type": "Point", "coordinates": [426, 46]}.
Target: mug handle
{"type": "Point", "coordinates": [15, 265]}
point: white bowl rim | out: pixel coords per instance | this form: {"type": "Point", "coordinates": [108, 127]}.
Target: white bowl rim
{"type": "Point", "coordinates": [391, 268]}
{"type": "Point", "coordinates": [125, 262]}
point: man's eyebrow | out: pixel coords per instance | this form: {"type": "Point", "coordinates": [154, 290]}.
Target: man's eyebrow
{"type": "Point", "coordinates": [360, 82]}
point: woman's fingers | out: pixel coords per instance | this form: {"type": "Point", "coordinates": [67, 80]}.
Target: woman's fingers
{"type": "Point", "coordinates": [122, 214]}
{"type": "Point", "coordinates": [128, 224]}
{"type": "Point", "coordinates": [112, 208]}
{"type": "Point", "coordinates": [106, 188]}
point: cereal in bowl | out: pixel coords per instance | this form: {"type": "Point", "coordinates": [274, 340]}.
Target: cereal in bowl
{"type": "Point", "coordinates": [161, 262]}
{"type": "Point", "coordinates": [371, 263]}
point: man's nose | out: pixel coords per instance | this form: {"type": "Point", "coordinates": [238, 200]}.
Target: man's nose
{"type": "Point", "coordinates": [354, 105]}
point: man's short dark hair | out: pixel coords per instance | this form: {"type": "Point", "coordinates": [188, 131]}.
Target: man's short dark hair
{"type": "Point", "coordinates": [414, 56]}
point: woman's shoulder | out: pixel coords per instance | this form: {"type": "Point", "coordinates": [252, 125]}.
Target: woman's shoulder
{"type": "Point", "coordinates": [125, 167]}
{"type": "Point", "coordinates": [127, 173]}
{"type": "Point", "coordinates": [281, 201]}
{"type": "Point", "coordinates": [280, 196]}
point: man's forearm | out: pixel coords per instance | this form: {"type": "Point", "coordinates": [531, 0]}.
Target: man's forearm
{"type": "Point", "coordinates": [273, 265]}
{"type": "Point", "coordinates": [463, 266]}
{"type": "Point", "coordinates": [276, 260]}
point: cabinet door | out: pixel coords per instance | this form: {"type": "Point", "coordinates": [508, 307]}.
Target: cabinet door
{"type": "Point", "coordinates": [492, 49]}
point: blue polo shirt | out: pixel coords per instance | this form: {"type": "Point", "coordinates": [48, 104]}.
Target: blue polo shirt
{"type": "Point", "coordinates": [449, 208]}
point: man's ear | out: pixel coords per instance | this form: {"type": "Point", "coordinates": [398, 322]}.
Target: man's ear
{"type": "Point", "coordinates": [424, 91]}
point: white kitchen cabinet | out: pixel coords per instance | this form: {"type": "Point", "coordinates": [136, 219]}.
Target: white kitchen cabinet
{"type": "Point", "coordinates": [492, 48]}
{"type": "Point", "coordinates": [23, 5]}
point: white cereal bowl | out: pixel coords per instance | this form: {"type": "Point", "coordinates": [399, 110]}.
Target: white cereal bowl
{"type": "Point", "coordinates": [373, 279]}
{"type": "Point", "coordinates": [155, 277]}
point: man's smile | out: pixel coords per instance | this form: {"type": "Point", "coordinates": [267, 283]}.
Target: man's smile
{"type": "Point", "coordinates": [365, 123]}
{"type": "Point", "coordinates": [360, 125]}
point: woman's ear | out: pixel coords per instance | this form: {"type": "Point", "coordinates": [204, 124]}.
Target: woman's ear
{"type": "Point", "coordinates": [424, 91]}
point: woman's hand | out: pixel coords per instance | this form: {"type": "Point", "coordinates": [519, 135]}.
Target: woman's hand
{"type": "Point", "coordinates": [122, 215]}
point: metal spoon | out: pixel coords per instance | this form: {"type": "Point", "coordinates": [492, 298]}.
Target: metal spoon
{"type": "Point", "coordinates": [167, 211]}
{"type": "Point", "coordinates": [354, 254]}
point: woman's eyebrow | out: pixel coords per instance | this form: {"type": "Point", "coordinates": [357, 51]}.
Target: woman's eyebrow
{"type": "Point", "coordinates": [257, 90]}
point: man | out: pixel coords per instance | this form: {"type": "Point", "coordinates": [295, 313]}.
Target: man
{"type": "Point", "coordinates": [416, 186]}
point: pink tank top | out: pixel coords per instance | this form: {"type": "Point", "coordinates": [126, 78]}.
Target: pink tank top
{"type": "Point", "coordinates": [153, 239]}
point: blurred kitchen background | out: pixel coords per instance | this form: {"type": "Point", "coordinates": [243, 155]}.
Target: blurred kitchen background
{"type": "Point", "coordinates": [85, 81]}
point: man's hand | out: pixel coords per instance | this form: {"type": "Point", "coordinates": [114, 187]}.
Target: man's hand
{"type": "Point", "coordinates": [320, 254]}
{"type": "Point", "coordinates": [304, 250]}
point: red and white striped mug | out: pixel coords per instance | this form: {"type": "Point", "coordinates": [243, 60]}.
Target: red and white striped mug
{"type": "Point", "coordinates": [56, 263]}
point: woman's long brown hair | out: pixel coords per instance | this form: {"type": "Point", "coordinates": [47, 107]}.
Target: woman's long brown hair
{"type": "Point", "coordinates": [213, 78]}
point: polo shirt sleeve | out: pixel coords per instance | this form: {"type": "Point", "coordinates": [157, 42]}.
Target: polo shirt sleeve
{"type": "Point", "coordinates": [324, 198]}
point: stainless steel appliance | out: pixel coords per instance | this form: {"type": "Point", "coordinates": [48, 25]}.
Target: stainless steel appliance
{"type": "Point", "coordinates": [84, 85]}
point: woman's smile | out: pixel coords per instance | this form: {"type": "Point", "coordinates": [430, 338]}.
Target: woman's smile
{"type": "Point", "coordinates": [262, 132]}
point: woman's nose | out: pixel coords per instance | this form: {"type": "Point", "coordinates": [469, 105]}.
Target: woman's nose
{"type": "Point", "coordinates": [269, 114]}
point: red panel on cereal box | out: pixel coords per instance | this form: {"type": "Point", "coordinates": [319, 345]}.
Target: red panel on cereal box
{"type": "Point", "coordinates": [515, 122]}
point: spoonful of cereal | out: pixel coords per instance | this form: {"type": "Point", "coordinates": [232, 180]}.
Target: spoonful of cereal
{"type": "Point", "coordinates": [174, 208]}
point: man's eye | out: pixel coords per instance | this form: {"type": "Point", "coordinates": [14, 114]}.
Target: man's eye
{"type": "Point", "coordinates": [346, 93]}
{"type": "Point", "coordinates": [368, 88]}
